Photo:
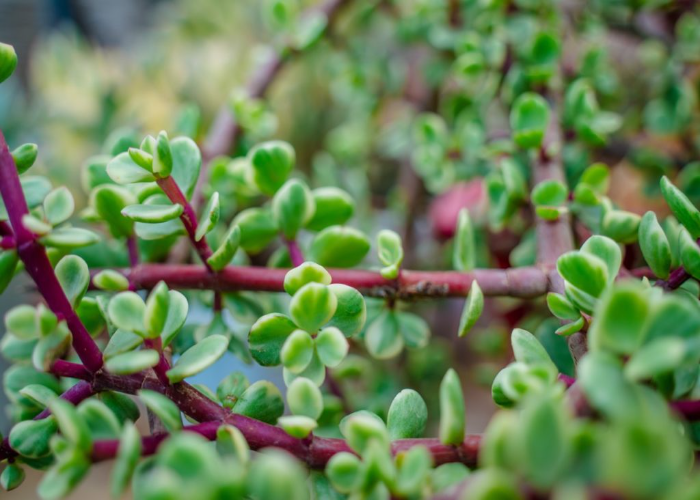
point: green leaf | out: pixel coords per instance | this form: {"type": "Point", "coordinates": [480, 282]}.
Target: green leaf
{"type": "Point", "coordinates": [297, 426]}
{"type": "Point", "coordinates": [308, 272]}
{"type": "Point", "coordinates": [344, 470]}
{"type": "Point", "coordinates": [261, 401]}
{"type": "Point", "coordinates": [8, 264]}
{"type": "Point", "coordinates": [408, 416]}
{"type": "Point", "coordinates": [64, 476]}
{"type": "Point", "coordinates": [297, 351]}
{"type": "Point", "coordinates": [111, 281]}
{"type": "Point", "coordinates": [35, 225]}
{"type": "Point", "coordinates": [529, 119]}
{"type": "Point", "coordinates": [209, 218]}
{"type": "Point", "coordinates": [272, 162]}
{"type": "Point", "coordinates": [473, 307]}
{"type": "Point", "coordinates": [585, 271]}
{"type": "Point", "coordinates": [447, 475]}
{"type": "Point", "coordinates": [25, 156]}
{"type": "Point", "coordinates": [71, 424]}
{"type": "Point", "coordinates": [102, 423]}
{"type": "Point", "coordinates": [682, 207]}
{"type": "Point", "coordinates": [231, 444]}
{"type": "Point", "coordinates": [58, 206]}
{"type": "Point", "coordinates": [621, 226]}
{"type": "Point", "coordinates": [561, 307]}
{"type": "Point", "coordinates": [73, 274]}
{"type": "Point", "coordinates": [231, 387]}
{"type": "Point", "coordinates": [338, 246]}
{"type": "Point", "coordinates": [363, 427]}
{"type": "Point", "coordinates": [351, 312]}
{"type": "Point", "coordinates": [452, 414]}
{"type": "Point", "coordinates": [152, 214]}
{"type": "Point", "coordinates": [123, 170]}
{"type": "Point", "coordinates": [178, 308]}
{"type": "Point", "coordinates": [331, 346]}
{"type": "Point", "coordinates": [267, 336]}
{"type": "Point", "coordinates": [109, 201]}
{"type": "Point", "coordinates": [121, 405]}
{"type": "Point", "coordinates": [659, 356]}
{"type": "Point", "coordinates": [289, 477]}
{"type": "Point", "coordinates": [39, 394]}
{"type": "Point", "coordinates": [390, 253]}
{"type": "Point", "coordinates": [257, 227]}
{"type": "Point", "coordinates": [414, 330]}
{"type": "Point", "coordinates": [543, 445]}
{"type": "Point", "coordinates": [132, 362]}
{"type": "Point", "coordinates": [334, 207]}
{"type": "Point", "coordinates": [316, 372]}
{"type": "Point", "coordinates": [187, 162]}
{"type": "Point", "coordinates": [122, 341]}
{"type": "Point", "coordinates": [528, 350]}
{"type": "Point", "coordinates": [51, 347]}
{"type": "Point", "coordinates": [606, 249]}
{"type": "Point", "coordinates": [689, 253]}
{"type": "Point", "coordinates": [163, 408]}
{"type": "Point", "coordinates": [141, 158]}
{"type": "Point", "coordinates": [549, 193]}
{"type": "Point", "coordinates": [8, 61]}
{"type": "Point", "coordinates": [21, 321]}
{"type": "Point", "coordinates": [415, 467]}
{"type": "Point", "coordinates": [12, 477]}
{"type": "Point", "coordinates": [304, 398]}
{"type": "Point", "coordinates": [654, 245]}
{"type": "Point", "coordinates": [162, 156]}
{"type": "Point", "coordinates": [292, 207]}
{"type": "Point", "coordinates": [128, 456]}
{"type": "Point", "coordinates": [198, 358]}
{"type": "Point", "coordinates": [382, 338]}
{"type": "Point", "coordinates": [312, 306]}
{"type": "Point", "coordinates": [228, 248]}
{"type": "Point", "coordinates": [156, 312]}
{"type": "Point", "coordinates": [619, 320]}
{"type": "Point", "coordinates": [570, 328]}
{"type": "Point", "coordinates": [70, 237]}
{"type": "Point", "coordinates": [464, 251]}
{"type": "Point", "coordinates": [31, 437]}
{"type": "Point", "coordinates": [127, 311]}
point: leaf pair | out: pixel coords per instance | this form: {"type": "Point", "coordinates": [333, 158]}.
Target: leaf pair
{"type": "Point", "coordinates": [388, 333]}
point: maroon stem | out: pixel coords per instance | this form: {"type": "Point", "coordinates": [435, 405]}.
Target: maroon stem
{"type": "Point", "coordinates": [675, 280]}
{"type": "Point", "coordinates": [37, 264]}
{"type": "Point", "coordinates": [63, 368]}
{"type": "Point", "coordinates": [163, 366]}
{"type": "Point", "coordinates": [295, 254]}
{"type": "Point", "coordinates": [524, 282]}
{"type": "Point", "coordinates": [188, 218]}
{"type": "Point", "coordinates": [568, 381]}
{"type": "Point", "coordinates": [5, 229]}
{"type": "Point", "coordinates": [7, 242]}
{"type": "Point", "coordinates": [133, 247]}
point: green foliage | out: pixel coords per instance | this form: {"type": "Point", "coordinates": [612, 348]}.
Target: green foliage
{"type": "Point", "coordinates": [8, 61]}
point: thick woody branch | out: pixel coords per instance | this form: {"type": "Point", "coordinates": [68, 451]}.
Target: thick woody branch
{"type": "Point", "coordinates": [525, 282]}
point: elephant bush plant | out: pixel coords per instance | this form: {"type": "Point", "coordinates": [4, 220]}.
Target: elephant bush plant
{"type": "Point", "coordinates": [524, 109]}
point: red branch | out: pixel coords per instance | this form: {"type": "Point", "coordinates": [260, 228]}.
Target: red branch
{"type": "Point", "coordinates": [37, 264]}
{"type": "Point", "coordinates": [524, 282]}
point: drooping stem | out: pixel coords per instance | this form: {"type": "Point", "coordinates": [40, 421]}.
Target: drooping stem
{"type": "Point", "coordinates": [188, 217]}
{"type": "Point", "coordinates": [295, 254]}
{"type": "Point", "coordinates": [37, 263]}
{"type": "Point", "coordinates": [524, 282]}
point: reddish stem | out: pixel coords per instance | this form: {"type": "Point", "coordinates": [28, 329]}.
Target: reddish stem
{"type": "Point", "coordinates": [37, 264]}
{"type": "Point", "coordinates": [133, 247]}
{"type": "Point", "coordinates": [163, 366]}
{"type": "Point", "coordinates": [525, 282]}
{"type": "Point", "coordinates": [675, 280]}
{"type": "Point", "coordinates": [63, 368]}
{"type": "Point", "coordinates": [5, 229]}
{"type": "Point", "coordinates": [188, 218]}
{"type": "Point", "coordinates": [295, 254]}
{"type": "Point", "coordinates": [7, 242]}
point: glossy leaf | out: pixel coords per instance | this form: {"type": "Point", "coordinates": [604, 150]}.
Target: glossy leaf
{"type": "Point", "coordinates": [331, 346]}
{"type": "Point", "coordinates": [198, 358]}
{"type": "Point", "coordinates": [123, 170]}
{"type": "Point", "coordinates": [272, 162]}
{"type": "Point", "coordinates": [620, 318]}
{"type": "Point", "coordinates": [70, 237]}
{"type": "Point", "coordinates": [223, 255]}
{"type": "Point", "coordinates": [304, 398]}
{"type": "Point", "coordinates": [261, 401]}
{"type": "Point", "coordinates": [267, 336]}
{"type": "Point", "coordinates": [152, 214]}
{"type": "Point", "coordinates": [529, 119]}
{"type": "Point", "coordinates": [654, 245]}
{"type": "Point", "coordinates": [292, 207]}
{"type": "Point", "coordinates": [25, 156]}
{"type": "Point", "coordinates": [408, 416]}
{"type": "Point", "coordinates": [382, 338]}
{"type": "Point", "coordinates": [128, 455]}
{"type": "Point", "coordinates": [338, 246]}
{"type": "Point", "coordinates": [333, 207]}
{"type": "Point", "coordinates": [111, 281]}
{"type": "Point", "coordinates": [297, 351]}
{"type": "Point", "coordinates": [308, 272]}
{"type": "Point", "coordinates": [585, 271]}
{"type": "Point", "coordinates": [257, 227]}
{"type": "Point", "coordinates": [30, 438]}
{"type": "Point", "coordinates": [464, 253]}
{"type": "Point", "coordinates": [390, 252]}
{"type": "Point", "coordinates": [351, 311]}
{"type": "Point", "coordinates": [209, 218]}
{"type": "Point", "coordinates": [8, 61]}
{"type": "Point", "coordinates": [163, 408]}
{"type": "Point", "coordinates": [71, 424]}
{"type": "Point", "coordinates": [682, 207]}
{"type": "Point", "coordinates": [132, 362]}
{"type": "Point", "coordinates": [127, 311]}
{"type": "Point", "coordinates": [452, 412]}
{"type": "Point", "coordinates": [313, 306]}
{"type": "Point", "coordinates": [472, 309]}
{"type": "Point", "coordinates": [73, 274]}
{"type": "Point", "coordinates": [58, 206]}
